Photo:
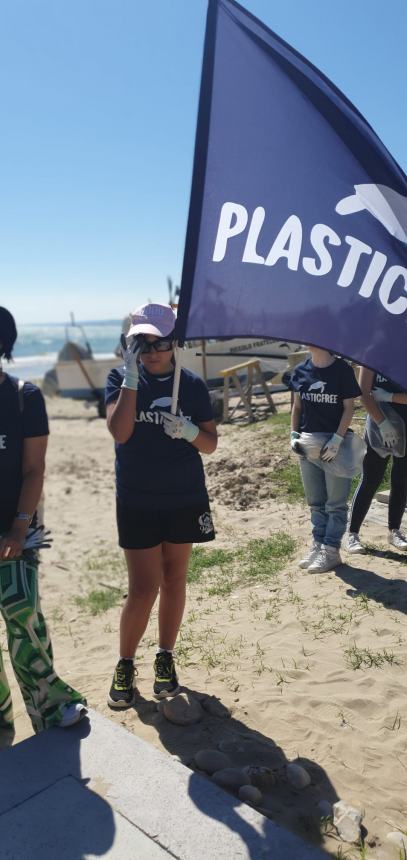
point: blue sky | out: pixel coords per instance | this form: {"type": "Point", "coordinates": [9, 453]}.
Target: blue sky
{"type": "Point", "coordinates": [99, 101]}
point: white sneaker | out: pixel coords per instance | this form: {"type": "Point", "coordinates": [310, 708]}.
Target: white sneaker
{"type": "Point", "coordinates": [397, 539]}
{"type": "Point", "coordinates": [311, 555]}
{"type": "Point", "coordinates": [71, 714]}
{"type": "Point", "coordinates": [354, 545]}
{"type": "Point", "coordinates": [327, 559]}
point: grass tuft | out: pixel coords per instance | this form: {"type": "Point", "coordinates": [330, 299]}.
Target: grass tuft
{"type": "Point", "coordinates": [98, 601]}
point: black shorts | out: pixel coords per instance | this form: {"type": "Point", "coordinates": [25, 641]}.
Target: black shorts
{"type": "Point", "coordinates": [141, 529]}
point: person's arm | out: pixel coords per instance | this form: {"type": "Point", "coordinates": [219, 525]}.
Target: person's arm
{"type": "Point", "coordinates": [366, 379]}
{"type": "Point", "coordinates": [121, 414]}
{"type": "Point", "coordinates": [330, 450]}
{"type": "Point", "coordinates": [207, 439]}
{"type": "Point", "coordinates": [347, 415]}
{"type": "Point", "coordinates": [33, 469]}
{"type": "Point", "coordinates": [296, 413]}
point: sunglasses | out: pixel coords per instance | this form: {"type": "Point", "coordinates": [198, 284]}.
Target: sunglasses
{"type": "Point", "coordinates": [162, 344]}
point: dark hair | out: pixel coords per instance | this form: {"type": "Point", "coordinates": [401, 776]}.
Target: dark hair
{"type": "Point", "coordinates": [8, 333]}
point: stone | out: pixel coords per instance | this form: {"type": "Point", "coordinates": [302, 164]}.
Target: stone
{"type": "Point", "coordinates": [399, 839]}
{"type": "Point", "coordinates": [183, 710]}
{"type": "Point", "coordinates": [230, 745]}
{"type": "Point", "coordinates": [347, 820]}
{"type": "Point", "coordinates": [261, 777]}
{"type": "Point", "coordinates": [230, 777]}
{"type": "Point", "coordinates": [297, 776]}
{"type": "Point", "coordinates": [211, 761]}
{"type": "Point", "coordinates": [215, 707]}
{"type": "Point", "coordinates": [324, 808]}
{"type": "Point", "coordinates": [250, 794]}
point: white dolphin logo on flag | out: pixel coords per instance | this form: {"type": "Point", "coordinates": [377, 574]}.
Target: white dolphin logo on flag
{"type": "Point", "coordinates": [385, 204]}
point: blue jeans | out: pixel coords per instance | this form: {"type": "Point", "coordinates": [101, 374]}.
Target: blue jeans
{"type": "Point", "coordinates": [327, 496]}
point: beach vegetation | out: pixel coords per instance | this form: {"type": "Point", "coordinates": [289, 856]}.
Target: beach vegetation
{"type": "Point", "coordinates": [99, 600]}
{"type": "Point", "coordinates": [361, 658]}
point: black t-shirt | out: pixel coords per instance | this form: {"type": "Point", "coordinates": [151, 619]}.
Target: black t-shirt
{"type": "Point", "coordinates": [380, 381]}
{"type": "Point", "coordinates": [153, 471]}
{"type": "Point", "coordinates": [322, 391]}
{"type": "Point", "coordinates": [16, 424]}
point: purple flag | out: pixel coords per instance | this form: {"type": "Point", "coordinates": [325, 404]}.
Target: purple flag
{"type": "Point", "coordinates": [298, 216]}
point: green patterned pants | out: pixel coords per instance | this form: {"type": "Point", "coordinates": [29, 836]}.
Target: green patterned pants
{"type": "Point", "coordinates": [30, 650]}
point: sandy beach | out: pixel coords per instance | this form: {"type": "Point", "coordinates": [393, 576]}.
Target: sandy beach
{"type": "Point", "coordinates": [311, 667]}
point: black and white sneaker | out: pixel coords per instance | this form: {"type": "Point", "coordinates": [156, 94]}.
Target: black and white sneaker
{"type": "Point", "coordinates": [166, 681]}
{"type": "Point", "coordinates": [121, 694]}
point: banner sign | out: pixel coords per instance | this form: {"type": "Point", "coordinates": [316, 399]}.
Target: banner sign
{"type": "Point", "coordinates": [298, 216]}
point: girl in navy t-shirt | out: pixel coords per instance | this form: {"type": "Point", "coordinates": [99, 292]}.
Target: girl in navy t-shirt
{"type": "Point", "coordinates": [377, 389]}
{"type": "Point", "coordinates": [324, 390]}
{"type": "Point", "coordinates": [162, 502]}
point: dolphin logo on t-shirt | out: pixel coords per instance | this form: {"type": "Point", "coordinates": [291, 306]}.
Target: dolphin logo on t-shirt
{"type": "Point", "coordinates": [161, 403]}
{"type": "Point", "coordinates": [318, 386]}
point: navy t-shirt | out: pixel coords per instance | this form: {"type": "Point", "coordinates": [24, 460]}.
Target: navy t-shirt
{"type": "Point", "coordinates": [16, 424]}
{"type": "Point", "coordinates": [380, 381]}
{"type": "Point", "coordinates": [154, 471]}
{"type": "Point", "coordinates": [322, 391]}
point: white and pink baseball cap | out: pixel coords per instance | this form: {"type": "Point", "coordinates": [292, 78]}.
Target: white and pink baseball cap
{"type": "Point", "coordinates": [152, 319]}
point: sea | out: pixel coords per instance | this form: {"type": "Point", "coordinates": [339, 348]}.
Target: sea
{"type": "Point", "coordinates": [38, 345]}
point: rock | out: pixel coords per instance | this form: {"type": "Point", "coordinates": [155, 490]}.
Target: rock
{"type": "Point", "coordinates": [399, 839]}
{"type": "Point", "coordinates": [230, 745]}
{"type": "Point", "coordinates": [297, 776]}
{"type": "Point", "coordinates": [211, 760]}
{"type": "Point", "coordinates": [250, 794]}
{"type": "Point", "coordinates": [183, 710]}
{"type": "Point", "coordinates": [261, 777]}
{"type": "Point", "coordinates": [324, 808]}
{"type": "Point", "coordinates": [230, 777]}
{"type": "Point", "coordinates": [215, 708]}
{"type": "Point", "coordinates": [347, 820]}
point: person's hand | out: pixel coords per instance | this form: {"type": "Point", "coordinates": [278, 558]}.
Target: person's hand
{"type": "Point", "coordinates": [294, 436]}
{"type": "Point", "coordinates": [388, 433]}
{"type": "Point", "coordinates": [330, 450]}
{"type": "Point", "coordinates": [380, 395]}
{"type": "Point", "coordinates": [179, 428]}
{"type": "Point", "coordinates": [11, 546]}
{"type": "Point", "coordinates": [130, 352]}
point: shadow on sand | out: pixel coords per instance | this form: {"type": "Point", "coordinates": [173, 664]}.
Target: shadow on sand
{"type": "Point", "coordinates": [295, 810]}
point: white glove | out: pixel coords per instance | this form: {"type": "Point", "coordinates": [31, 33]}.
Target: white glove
{"type": "Point", "coordinates": [388, 433]}
{"type": "Point", "coordinates": [381, 395]}
{"type": "Point", "coordinates": [330, 450]}
{"type": "Point", "coordinates": [179, 428]}
{"type": "Point", "coordinates": [294, 436]}
{"type": "Point", "coordinates": [130, 352]}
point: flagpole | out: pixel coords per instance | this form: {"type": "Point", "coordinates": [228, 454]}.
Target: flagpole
{"type": "Point", "coordinates": [177, 376]}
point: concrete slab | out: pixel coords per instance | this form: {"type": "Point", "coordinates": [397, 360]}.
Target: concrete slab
{"type": "Point", "coordinates": [67, 821]}
{"type": "Point", "coordinates": [184, 813]}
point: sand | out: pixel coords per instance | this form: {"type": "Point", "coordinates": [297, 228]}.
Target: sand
{"type": "Point", "coordinates": [277, 652]}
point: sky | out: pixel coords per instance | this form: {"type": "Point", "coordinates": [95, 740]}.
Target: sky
{"type": "Point", "coordinates": [99, 102]}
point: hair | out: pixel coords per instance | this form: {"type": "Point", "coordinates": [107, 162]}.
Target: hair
{"type": "Point", "coordinates": [8, 333]}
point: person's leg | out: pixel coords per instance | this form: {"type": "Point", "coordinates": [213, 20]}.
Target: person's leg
{"type": "Point", "coordinates": [172, 592]}
{"type": "Point", "coordinates": [46, 696]}
{"type": "Point", "coordinates": [336, 508]}
{"type": "Point", "coordinates": [145, 568]}
{"type": "Point", "coordinates": [313, 479]}
{"type": "Point", "coordinates": [398, 492]}
{"type": "Point", "coordinates": [172, 603]}
{"type": "Point", "coordinates": [6, 705]}
{"type": "Point", "coordinates": [374, 468]}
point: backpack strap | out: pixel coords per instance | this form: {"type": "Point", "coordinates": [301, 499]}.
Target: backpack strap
{"type": "Point", "coordinates": [19, 386]}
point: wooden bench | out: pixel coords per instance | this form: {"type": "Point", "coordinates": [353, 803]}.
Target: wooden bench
{"type": "Point", "coordinates": [254, 376]}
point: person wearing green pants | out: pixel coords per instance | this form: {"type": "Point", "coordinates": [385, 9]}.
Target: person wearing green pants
{"type": "Point", "coordinates": [23, 441]}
